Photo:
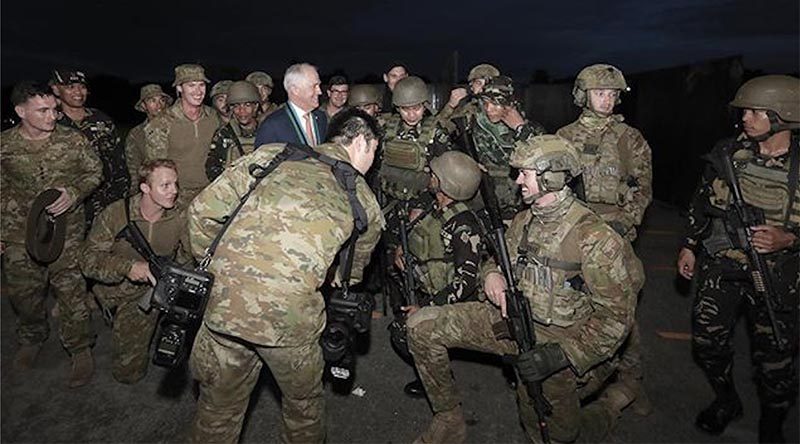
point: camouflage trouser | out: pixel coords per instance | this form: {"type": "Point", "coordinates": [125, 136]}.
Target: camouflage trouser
{"type": "Point", "coordinates": [26, 284]}
{"type": "Point", "coordinates": [132, 332]}
{"type": "Point", "coordinates": [630, 365]}
{"type": "Point", "coordinates": [434, 330]}
{"type": "Point", "coordinates": [722, 294]}
{"type": "Point", "coordinates": [228, 369]}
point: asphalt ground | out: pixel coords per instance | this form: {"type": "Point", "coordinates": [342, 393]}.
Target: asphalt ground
{"type": "Point", "coordinates": [37, 407]}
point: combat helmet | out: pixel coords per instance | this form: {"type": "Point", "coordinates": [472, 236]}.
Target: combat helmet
{"type": "Point", "coordinates": [259, 78]}
{"type": "Point", "coordinates": [554, 158]}
{"type": "Point", "coordinates": [458, 174]}
{"type": "Point", "coordinates": [500, 90]}
{"type": "Point", "coordinates": [220, 87]}
{"type": "Point", "coordinates": [779, 94]}
{"type": "Point", "coordinates": [242, 91]}
{"type": "Point", "coordinates": [361, 95]}
{"type": "Point", "coordinates": [483, 71]}
{"type": "Point", "coordinates": [409, 92]}
{"type": "Point", "coordinates": [598, 76]}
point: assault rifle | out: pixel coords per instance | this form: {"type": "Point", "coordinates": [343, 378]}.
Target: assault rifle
{"type": "Point", "coordinates": [520, 321]}
{"type": "Point", "coordinates": [751, 216]}
{"type": "Point", "coordinates": [397, 329]}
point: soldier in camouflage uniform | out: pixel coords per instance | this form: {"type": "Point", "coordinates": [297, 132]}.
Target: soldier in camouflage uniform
{"type": "Point", "coordinates": [71, 89]}
{"type": "Point", "coordinates": [766, 159]}
{"type": "Point", "coordinates": [367, 98]}
{"type": "Point", "coordinates": [123, 276]}
{"type": "Point", "coordinates": [265, 306]}
{"type": "Point", "coordinates": [152, 101]}
{"type": "Point", "coordinates": [184, 131]}
{"type": "Point", "coordinates": [37, 155]}
{"type": "Point", "coordinates": [236, 138]}
{"type": "Point", "coordinates": [581, 279]}
{"type": "Point", "coordinates": [464, 103]}
{"type": "Point", "coordinates": [617, 181]}
{"type": "Point", "coordinates": [445, 242]}
{"type": "Point", "coordinates": [219, 99]}
{"type": "Point", "coordinates": [264, 83]}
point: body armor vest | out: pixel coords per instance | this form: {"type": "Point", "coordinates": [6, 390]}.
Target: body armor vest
{"type": "Point", "coordinates": [244, 144]}
{"type": "Point", "coordinates": [405, 157]}
{"type": "Point", "coordinates": [767, 187]}
{"type": "Point", "coordinates": [553, 284]}
{"type": "Point", "coordinates": [434, 269]}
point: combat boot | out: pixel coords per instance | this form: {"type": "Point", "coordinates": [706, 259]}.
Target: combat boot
{"type": "Point", "coordinates": [724, 409]}
{"type": "Point", "coordinates": [26, 356]}
{"type": "Point", "coordinates": [82, 369]}
{"type": "Point", "coordinates": [446, 427]}
{"type": "Point", "coordinates": [641, 404]}
{"type": "Point", "coordinates": [770, 424]}
{"type": "Point", "coordinates": [617, 396]}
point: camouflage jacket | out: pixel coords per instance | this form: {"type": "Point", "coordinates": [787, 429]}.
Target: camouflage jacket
{"type": "Point", "coordinates": [618, 171]}
{"type": "Point", "coordinates": [274, 257]}
{"type": "Point", "coordinates": [581, 278]}
{"type": "Point", "coordinates": [108, 259]}
{"type": "Point", "coordinates": [29, 167]}
{"type": "Point", "coordinates": [263, 112]}
{"type": "Point", "coordinates": [134, 153]}
{"type": "Point", "coordinates": [104, 138]}
{"type": "Point", "coordinates": [230, 142]}
{"type": "Point", "coordinates": [446, 244]}
{"type": "Point", "coordinates": [173, 136]}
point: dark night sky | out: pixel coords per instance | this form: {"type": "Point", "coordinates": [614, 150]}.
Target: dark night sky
{"type": "Point", "coordinates": [142, 41]}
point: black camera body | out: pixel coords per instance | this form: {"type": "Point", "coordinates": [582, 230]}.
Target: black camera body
{"type": "Point", "coordinates": [348, 313]}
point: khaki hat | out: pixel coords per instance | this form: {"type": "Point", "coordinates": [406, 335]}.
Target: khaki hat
{"type": "Point", "coordinates": [259, 78]}
{"type": "Point", "coordinates": [189, 73]}
{"type": "Point", "coordinates": [45, 234]}
{"type": "Point", "coordinates": [148, 91]}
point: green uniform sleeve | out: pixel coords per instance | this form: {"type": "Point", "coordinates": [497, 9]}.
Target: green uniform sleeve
{"type": "Point", "coordinates": [641, 177]}
{"type": "Point", "coordinates": [156, 139]}
{"type": "Point", "coordinates": [134, 156]}
{"type": "Point", "coordinates": [465, 244]}
{"type": "Point", "coordinates": [366, 242]}
{"type": "Point", "coordinates": [98, 261]}
{"type": "Point", "coordinates": [90, 172]}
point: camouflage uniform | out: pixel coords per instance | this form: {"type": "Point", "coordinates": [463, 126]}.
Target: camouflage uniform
{"type": "Point", "coordinates": [265, 304]}
{"type": "Point", "coordinates": [724, 285]}
{"type": "Point", "coordinates": [135, 141]}
{"type": "Point", "coordinates": [102, 134]}
{"type": "Point", "coordinates": [588, 320]}
{"type": "Point", "coordinates": [229, 143]}
{"type": "Point", "coordinates": [108, 260]}
{"type": "Point", "coordinates": [172, 135]}
{"type": "Point", "coordinates": [64, 159]}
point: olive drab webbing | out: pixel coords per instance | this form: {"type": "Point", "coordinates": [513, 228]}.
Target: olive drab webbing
{"type": "Point", "coordinates": [434, 270]}
{"type": "Point", "coordinates": [557, 296]}
{"type": "Point", "coordinates": [604, 165]}
{"type": "Point", "coordinates": [404, 160]}
{"type": "Point", "coordinates": [767, 188]}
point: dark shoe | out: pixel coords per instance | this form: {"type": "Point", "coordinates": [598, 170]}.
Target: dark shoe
{"type": "Point", "coordinates": [770, 425]}
{"type": "Point", "coordinates": [415, 389]}
{"type": "Point", "coordinates": [714, 418]}
{"type": "Point", "coordinates": [82, 369]}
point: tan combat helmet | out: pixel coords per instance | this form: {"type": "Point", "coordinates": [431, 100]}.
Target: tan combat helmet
{"type": "Point", "coordinates": [148, 91]}
{"type": "Point", "coordinates": [554, 158]}
{"type": "Point", "coordinates": [483, 71]}
{"type": "Point", "coordinates": [459, 175]}
{"type": "Point", "coordinates": [259, 78]}
{"type": "Point", "coordinates": [779, 94]}
{"type": "Point", "coordinates": [361, 95]}
{"type": "Point", "coordinates": [599, 76]}
{"type": "Point", "coordinates": [242, 91]}
{"type": "Point", "coordinates": [189, 73]}
{"type": "Point", "coordinates": [409, 92]}
{"type": "Point", "coordinates": [220, 87]}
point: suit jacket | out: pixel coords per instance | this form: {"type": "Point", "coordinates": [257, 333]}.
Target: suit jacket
{"type": "Point", "coordinates": [283, 126]}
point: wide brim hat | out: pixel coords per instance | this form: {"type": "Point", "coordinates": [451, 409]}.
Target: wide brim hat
{"type": "Point", "coordinates": [45, 234]}
{"type": "Point", "coordinates": [189, 73]}
{"type": "Point", "coordinates": [149, 91]}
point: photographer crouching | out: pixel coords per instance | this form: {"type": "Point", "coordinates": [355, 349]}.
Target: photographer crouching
{"type": "Point", "coordinates": [284, 212]}
{"type": "Point", "coordinates": [123, 274]}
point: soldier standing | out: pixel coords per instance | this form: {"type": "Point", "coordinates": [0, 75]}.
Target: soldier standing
{"type": "Point", "coordinates": [123, 276]}
{"type": "Point", "coordinates": [367, 98]}
{"type": "Point", "coordinates": [467, 103]}
{"type": "Point", "coordinates": [236, 138]}
{"type": "Point", "coordinates": [152, 101]}
{"type": "Point", "coordinates": [72, 91]}
{"type": "Point", "coordinates": [766, 159]}
{"type": "Point", "coordinates": [264, 83]}
{"type": "Point", "coordinates": [265, 306]}
{"type": "Point", "coordinates": [396, 73]}
{"type": "Point", "coordinates": [183, 132]}
{"type": "Point", "coordinates": [38, 155]}
{"type": "Point", "coordinates": [445, 242]}
{"type": "Point", "coordinates": [219, 99]}
{"type": "Point", "coordinates": [617, 182]}
{"type": "Point", "coordinates": [581, 279]}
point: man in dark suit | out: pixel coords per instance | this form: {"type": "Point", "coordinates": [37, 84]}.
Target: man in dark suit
{"type": "Point", "coordinates": [299, 121]}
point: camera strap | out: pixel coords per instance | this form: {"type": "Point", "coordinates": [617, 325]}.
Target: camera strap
{"type": "Point", "coordinates": [344, 173]}
{"type": "Point", "coordinates": [135, 237]}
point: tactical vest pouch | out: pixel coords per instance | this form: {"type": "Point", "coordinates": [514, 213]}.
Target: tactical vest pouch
{"type": "Point", "coordinates": [402, 184]}
{"type": "Point", "coordinates": [405, 154]}
{"type": "Point", "coordinates": [718, 239]}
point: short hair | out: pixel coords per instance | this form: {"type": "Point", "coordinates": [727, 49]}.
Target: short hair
{"type": "Point", "coordinates": [397, 64]}
{"type": "Point", "coordinates": [296, 74]}
{"type": "Point", "coordinates": [28, 89]}
{"type": "Point", "coordinates": [348, 124]}
{"type": "Point", "coordinates": [147, 168]}
{"type": "Point", "coordinates": [337, 80]}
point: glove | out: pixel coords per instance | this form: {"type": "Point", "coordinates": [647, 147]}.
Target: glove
{"type": "Point", "coordinates": [540, 362]}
